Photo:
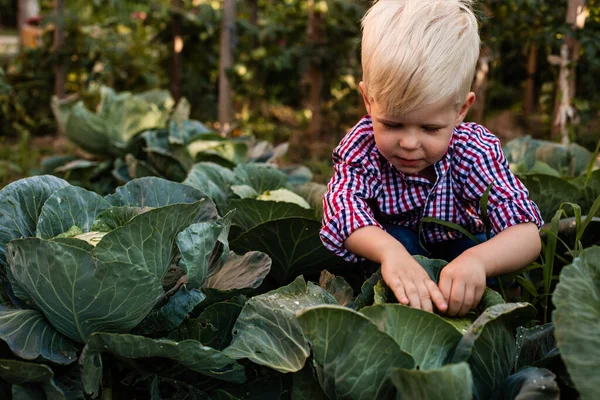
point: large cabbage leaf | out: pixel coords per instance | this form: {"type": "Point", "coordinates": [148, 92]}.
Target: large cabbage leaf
{"type": "Point", "coordinates": [21, 204]}
{"type": "Point", "coordinates": [68, 207]}
{"type": "Point", "coordinates": [352, 357]}
{"type": "Point", "coordinates": [489, 346]}
{"type": "Point", "coordinates": [267, 332]}
{"type": "Point", "coordinates": [30, 336]}
{"type": "Point", "coordinates": [452, 381]}
{"type": "Point", "coordinates": [292, 243]}
{"type": "Point", "coordinates": [80, 294]}
{"type": "Point", "coordinates": [189, 354]}
{"type": "Point", "coordinates": [30, 380]}
{"type": "Point", "coordinates": [436, 337]}
{"type": "Point", "coordinates": [577, 316]}
{"type": "Point", "coordinates": [118, 119]}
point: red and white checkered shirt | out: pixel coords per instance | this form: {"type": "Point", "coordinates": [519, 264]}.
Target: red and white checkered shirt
{"type": "Point", "coordinates": [366, 189]}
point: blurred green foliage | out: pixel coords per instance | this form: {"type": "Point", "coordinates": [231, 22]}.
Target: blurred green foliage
{"type": "Point", "coordinates": [126, 45]}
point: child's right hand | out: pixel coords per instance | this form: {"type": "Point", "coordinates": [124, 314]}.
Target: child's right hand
{"type": "Point", "coordinates": [410, 282]}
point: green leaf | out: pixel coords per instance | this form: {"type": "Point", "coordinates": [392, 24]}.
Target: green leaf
{"type": "Point", "coordinates": [337, 287]}
{"type": "Point", "coordinates": [267, 332]}
{"type": "Point", "coordinates": [251, 212]}
{"type": "Point", "coordinates": [173, 167]}
{"type": "Point", "coordinates": [233, 152]}
{"type": "Point", "coordinates": [284, 196]}
{"type": "Point", "coordinates": [577, 302]}
{"type": "Point", "coordinates": [352, 357]}
{"type": "Point", "coordinates": [548, 192]}
{"type": "Point", "coordinates": [292, 243]}
{"type": "Point", "coordinates": [535, 345]}
{"type": "Point", "coordinates": [76, 288]}
{"type": "Point", "coordinates": [244, 191]}
{"type": "Point", "coordinates": [115, 217]}
{"type": "Point", "coordinates": [202, 245]}
{"type": "Point", "coordinates": [530, 383]}
{"type": "Point", "coordinates": [148, 240]}
{"type": "Point", "coordinates": [68, 207]}
{"type": "Point", "coordinates": [158, 192]}
{"type": "Point", "coordinates": [260, 177]}
{"type": "Point", "coordinates": [424, 335]}
{"type": "Point", "coordinates": [305, 385]}
{"type": "Point", "coordinates": [380, 293]}
{"type": "Point", "coordinates": [139, 169]}
{"type": "Point", "coordinates": [184, 131]}
{"type": "Point", "coordinates": [21, 204]}
{"type": "Point", "coordinates": [29, 335]}
{"type": "Point", "coordinates": [212, 328]}
{"type": "Point", "coordinates": [120, 117]}
{"type": "Point", "coordinates": [172, 314]}
{"type": "Point", "coordinates": [240, 272]}
{"type": "Point", "coordinates": [212, 179]}
{"type": "Point", "coordinates": [367, 291]}
{"type": "Point", "coordinates": [313, 193]}
{"type": "Point", "coordinates": [189, 354]}
{"type": "Point", "coordinates": [489, 345]}
{"type": "Point", "coordinates": [453, 381]}
{"type": "Point", "coordinates": [30, 379]}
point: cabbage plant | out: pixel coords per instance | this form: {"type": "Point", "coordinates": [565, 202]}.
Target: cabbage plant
{"type": "Point", "coordinates": [84, 274]}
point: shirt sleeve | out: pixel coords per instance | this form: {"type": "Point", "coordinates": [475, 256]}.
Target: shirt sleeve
{"type": "Point", "coordinates": [508, 202]}
{"type": "Point", "coordinates": [355, 180]}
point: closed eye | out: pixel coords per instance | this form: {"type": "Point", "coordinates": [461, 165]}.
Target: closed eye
{"type": "Point", "coordinates": [391, 126]}
{"type": "Point", "coordinates": [431, 129]}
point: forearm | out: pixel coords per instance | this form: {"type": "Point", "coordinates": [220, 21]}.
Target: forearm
{"type": "Point", "coordinates": [374, 243]}
{"type": "Point", "coordinates": [509, 251]}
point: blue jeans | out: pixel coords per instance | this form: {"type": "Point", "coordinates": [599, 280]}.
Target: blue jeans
{"type": "Point", "coordinates": [447, 250]}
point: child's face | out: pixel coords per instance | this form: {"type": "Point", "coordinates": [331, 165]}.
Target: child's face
{"type": "Point", "coordinates": [415, 141]}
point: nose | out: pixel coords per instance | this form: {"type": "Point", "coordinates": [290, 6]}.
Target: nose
{"type": "Point", "coordinates": [409, 140]}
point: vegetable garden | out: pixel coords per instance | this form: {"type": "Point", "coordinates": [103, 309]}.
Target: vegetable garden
{"type": "Point", "coordinates": [172, 254]}
{"type": "Point", "coordinates": [187, 265]}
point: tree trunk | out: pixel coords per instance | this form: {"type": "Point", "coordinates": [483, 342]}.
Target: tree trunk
{"type": "Point", "coordinates": [563, 109]}
{"type": "Point", "coordinates": [254, 20]}
{"type": "Point", "coordinates": [529, 100]}
{"type": "Point", "coordinates": [59, 38]}
{"type": "Point", "coordinates": [176, 59]}
{"type": "Point", "coordinates": [225, 64]}
{"type": "Point", "coordinates": [313, 82]}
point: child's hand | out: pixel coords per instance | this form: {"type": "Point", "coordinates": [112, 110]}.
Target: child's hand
{"type": "Point", "coordinates": [410, 282]}
{"type": "Point", "coordinates": [462, 283]}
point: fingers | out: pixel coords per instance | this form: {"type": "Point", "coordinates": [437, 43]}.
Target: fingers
{"type": "Point", "coordinates": [445, 286]}
{"type": "Point", "coordinates": [413, 295]}
{"type": "Point", "coordinates": [399, 292]}
{"type": "Point", "coordinates": [468, 301]}
{"type": "Point", "coordinates": [456, 298]}
{"type": "Point", "coordinates": [436, 295]}
{"type": "Point", "coordinates": [479, 290]}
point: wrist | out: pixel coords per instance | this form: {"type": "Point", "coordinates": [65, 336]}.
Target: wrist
{"type": "Point", "coordinates": [395, 254]}
{"type": "Point", "coordinates": [479, 259]}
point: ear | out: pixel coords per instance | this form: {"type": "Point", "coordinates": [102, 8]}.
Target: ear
{"type": "Point", "coordinates": [464, 109]}
{"type": "Point", "coordinates": [361, 86]}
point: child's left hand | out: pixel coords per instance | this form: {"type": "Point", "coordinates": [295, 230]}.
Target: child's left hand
{"type": "Point", "coordinates": [462, 283]}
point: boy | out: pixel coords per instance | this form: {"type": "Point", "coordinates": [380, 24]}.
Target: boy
{"type": "Point", "coordinates": [413, 157]}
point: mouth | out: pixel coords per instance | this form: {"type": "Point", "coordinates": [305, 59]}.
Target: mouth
{"type": "Point", "coordinates": [407, 162]}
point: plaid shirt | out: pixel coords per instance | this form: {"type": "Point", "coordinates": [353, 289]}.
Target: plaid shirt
{"type": "Point", "coordinates": [366, 189]}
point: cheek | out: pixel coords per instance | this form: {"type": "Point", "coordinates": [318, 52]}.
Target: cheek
{"type": "Point", "coordinates": [436, 146]}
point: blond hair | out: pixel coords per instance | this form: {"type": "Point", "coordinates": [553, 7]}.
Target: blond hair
{"type": "Point", "coordinates": [418, 52]}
